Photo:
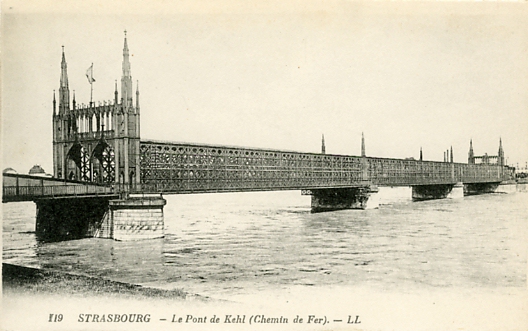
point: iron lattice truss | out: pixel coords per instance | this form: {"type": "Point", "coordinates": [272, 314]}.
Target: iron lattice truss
{"type": "Point", "coordinates": [192, 168]}
{"type": "Point", "coordinates": [398, 172]}
{"type": "Point", "coordinates": [104, 158]}
{"type": "Point", "coordinates": [85, 165]}
{"type": "Point", "coordinates": [108, 163]}
{"type": "Point", "coordinates": [99, 167]}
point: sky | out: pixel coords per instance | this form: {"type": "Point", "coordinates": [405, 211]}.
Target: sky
{"type": "Point", "coordinates": [278, 74]}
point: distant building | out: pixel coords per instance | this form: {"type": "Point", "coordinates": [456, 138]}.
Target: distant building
{"type": "Point", "coordinates": [9, 171]}
{"type": "Point", "coordinates": [37, 170]}
{"type": "Point", "coordinates": [498, 159]}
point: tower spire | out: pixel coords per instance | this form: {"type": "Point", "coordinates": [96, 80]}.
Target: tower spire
{"type": "Point", "coordinates": [471, 155]}
{"type": "Point", "coordinates": [126, 79]}
{"type": "Point", "coordinates": [64, 91]}
{"type": "Point", "coordinates": [323, 147]}
{"type": "Point", "coordinates": [64, 71]}
{"type": "Point", "coordinates": [54, 104]}
{"type": "Point", "coordinates": [137, 96]}
{"type": "Point", "coordinates": [116, 94]}
{"type": "Point", "coordinates": [362, 144]}
{"type": "Point", "coordinates": [501, 153]}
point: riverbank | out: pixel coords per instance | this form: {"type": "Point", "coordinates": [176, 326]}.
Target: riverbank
{"type": "Point", "coordinates": [25, 280]}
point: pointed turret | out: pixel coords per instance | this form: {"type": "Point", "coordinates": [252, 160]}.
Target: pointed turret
{"type": "Point", "coordinates": [323, 147]}
{"type": "Point", "coordinates": [137, 96]}
{"type": "Point", "coordinates": [471, 155]}
{"type": "Point", "coordinates": [102, 139]}
{"type": "Point", "coordinates": [500, 159]}
{"type": "Point", "coordinates": [73, 102]}
{"type": "Point", "coordinates": [76, 136]}
{"type": "Point", "coordinates": [54, 104]}
{"type": "Point", "coordinates": [64, 91]}
{"type": "Point", "coordinates": [116, 94]}
{"type": "Point", "coordinates": [126, 79]}
{"type": "Point", "coordinates": [362, 144]}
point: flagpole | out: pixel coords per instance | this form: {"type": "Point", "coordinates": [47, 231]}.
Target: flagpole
{"type": "Point", "coordinates": [91, 88]}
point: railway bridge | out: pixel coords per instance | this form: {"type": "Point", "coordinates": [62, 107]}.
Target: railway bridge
{"type": "Point", "coordinates": [108, 181]}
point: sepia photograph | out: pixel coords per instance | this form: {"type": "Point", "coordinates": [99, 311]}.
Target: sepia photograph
{"type": "Point", "coordinates": [267, 165]}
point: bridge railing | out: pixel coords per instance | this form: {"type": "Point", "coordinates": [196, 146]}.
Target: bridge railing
{"type": "Point", "coordinates": [27, 188]}
{"type": "Point", "coordinates": [54, 191]}
{"type": "Point", "coordinates": [35, 192]}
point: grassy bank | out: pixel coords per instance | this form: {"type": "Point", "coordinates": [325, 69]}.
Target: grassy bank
{"type": "Point", "coordinates": [18, 279]}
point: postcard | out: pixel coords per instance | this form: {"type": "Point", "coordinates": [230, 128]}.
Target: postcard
{"type": "Point", "coordinates": [266, 165]}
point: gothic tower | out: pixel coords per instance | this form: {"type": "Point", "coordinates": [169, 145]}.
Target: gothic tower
{"type": "Point", "coordinates": [63, 124]}
{"type": "Point", "coordinates": [64, 90]}
{"type": "Point", "coordinates": [98, 142]}
{"type": "Point", "coordinates": [127, 126]}
{"type": "Point", "coordinates": [126, 79]}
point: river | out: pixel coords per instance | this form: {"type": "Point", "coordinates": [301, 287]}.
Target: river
{"type": "Point", "coordinates": [235, 245]}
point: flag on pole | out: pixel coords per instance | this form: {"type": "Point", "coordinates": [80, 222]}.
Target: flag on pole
{"type": "Point", "coordinates": [89, 74]}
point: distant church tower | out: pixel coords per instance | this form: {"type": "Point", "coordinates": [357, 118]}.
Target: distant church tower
{"type": "Point", "coordinates": [98, 143]}
{"type": "Point", "coordinates": [471, 155]}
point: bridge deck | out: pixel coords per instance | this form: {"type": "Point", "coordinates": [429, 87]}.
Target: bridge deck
{"type": "Point", "coordinates": [17, 187]}
{"type": "Point", "coordinates": [193, 168]}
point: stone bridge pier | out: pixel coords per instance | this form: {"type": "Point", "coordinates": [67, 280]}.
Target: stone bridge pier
{"type": "Point", "coordinates": [131, 218]}
{"type": "Point", "coordinates": [134, 218]}
{"type": "Point", "coordinates": [429, 192]}
{"type": "Point", "coordinates": [329, 199]}
{"type": "Point", "coordinates": [458, 190]}
{"type": "Point", "coordinates": [60, 219]}
{"type": "Point", "coordinates": [480, 188]}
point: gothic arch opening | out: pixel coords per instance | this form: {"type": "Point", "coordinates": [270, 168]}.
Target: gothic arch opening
{"type": "Point", "coordinates": [103, 161]}
{"type": "Point", "coordinates": [78, 165]}
{"type": "Point", "coordinates": [132, 179]}
{"type": "Point", "coordinates": [94, 123]}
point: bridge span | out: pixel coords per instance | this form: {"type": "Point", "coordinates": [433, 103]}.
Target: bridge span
{"type": "Point", "coordinates": [108, 182]}
{"type": "Point", "coordinates": [69, 209]}
{"type": "Point", "coordinates": [196, 168]}
{"type": "Point", "coordinates": [18, 187]}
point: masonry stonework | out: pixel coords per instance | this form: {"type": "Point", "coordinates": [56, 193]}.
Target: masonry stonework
{"type": "Point", "coordinates": [137, 218]}
{"type": "Point", "coordinates": [342, 198]}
